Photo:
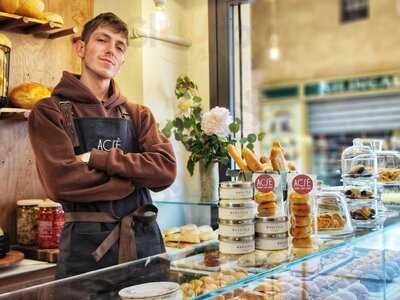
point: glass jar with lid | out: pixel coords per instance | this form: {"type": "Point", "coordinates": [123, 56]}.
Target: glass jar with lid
{"type": "Point", "coordinates": [388, 167]}
{"type": "Point", "coordinates": [50, 224]}
{"type": "Point", "coordinates": [27, 212]}
{"type": "Point", "coordinates": [359, 161]}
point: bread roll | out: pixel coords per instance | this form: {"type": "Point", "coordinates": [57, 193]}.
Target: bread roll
{"type": "Point", "coordinates": [205, 229]}
{"type": "Point", "coordinates": [301, 221]}
{"type": "Point", "coordinates": [190, 233]}
{"type": "Point", "coordinates": [9, 6]}
{"type": "Point", "coordinates": [301, 210]}
{"type": "Point", "coordinates": [302, 242]}
{"type": "Point", "coordinates": [27, 95]}
{"type": "Point", "coordinates": [267, 205]}
{"type": "Point", "coordinates": [300, 232]}
{"type": "Point", "coordinates": [30, 8]}
{"type": "Point", "coordinates": [171, 230]}
{"type": "Point", "coordinates": [174, 237]}
{"type": "Point", "coordinates": [251, 160]}
{"type": "Point", "coordinates": [52, 17]}
{"type": "Point", "coordinates": [208, 236]}
{"type": "Point", "coordinates": [261, 197]}
{"type": "Point", "coordinates": [297, 198]}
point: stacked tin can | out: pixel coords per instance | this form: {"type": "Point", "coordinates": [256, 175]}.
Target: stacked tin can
{"type": "Point", "coordinates": [271, 222]}
{"type": "Point", "coordinates": [236, 215]}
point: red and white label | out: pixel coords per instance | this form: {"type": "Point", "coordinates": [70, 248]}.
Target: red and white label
{"type": "Point", "coordinates": [265, 183]}
{"type": "Point", "coordinates": [302, 184]}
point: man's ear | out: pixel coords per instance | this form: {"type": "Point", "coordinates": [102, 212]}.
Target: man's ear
{"type": "Point", "coordinates": [79, 46]}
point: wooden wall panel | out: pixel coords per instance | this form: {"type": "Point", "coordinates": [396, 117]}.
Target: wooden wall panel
{"type": "Point", "coordinates": [41, 60]}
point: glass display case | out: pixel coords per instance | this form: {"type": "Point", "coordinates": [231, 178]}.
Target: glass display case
{"type": "Point", "coordinates": [338, 267]}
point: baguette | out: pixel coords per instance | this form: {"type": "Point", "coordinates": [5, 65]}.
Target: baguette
{"type": "Point", "coordinates": [252, 162]}
{"type": "Point", "coordinates": [278, 158]}
{"type": "Point", "coordinates": [236, 157]}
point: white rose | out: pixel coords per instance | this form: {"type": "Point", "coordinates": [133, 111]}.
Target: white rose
{"type": "Point", "coordinates": [216, 121]}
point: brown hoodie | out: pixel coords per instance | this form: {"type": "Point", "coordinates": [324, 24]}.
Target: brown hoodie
{"type": "Point", "coordinates": [108, 175]}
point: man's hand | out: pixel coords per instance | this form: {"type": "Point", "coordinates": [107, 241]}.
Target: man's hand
{"type": "Point", "coordinates": [84, 157]}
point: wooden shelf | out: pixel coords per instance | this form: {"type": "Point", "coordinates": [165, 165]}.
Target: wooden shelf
{"type": "Point", "coordinates": [36, 27]}
{"type": "Point", "coordinates": [10, 113]}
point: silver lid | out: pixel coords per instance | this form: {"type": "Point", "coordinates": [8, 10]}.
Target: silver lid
{"type": "Point", "coordinates": [235, 222]}
{"type": "Point", "coordinates": [236, 184]}
{"type": "Point", "coordinates": [236, 239]}
{"type": "Point", "coordinates": [272, 236]}
{"type": "Point", "coordinates": [267, 173]}
{"type": "Point", "coordinates": [271, 219]}
{"type": "Point", "coordinates": [236, 205]}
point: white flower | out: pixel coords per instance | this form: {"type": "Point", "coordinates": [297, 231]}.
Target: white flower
{"type": "Point", "coordinates": [216, 121]}
{"type": "Point", "coordinates": [184, 105]}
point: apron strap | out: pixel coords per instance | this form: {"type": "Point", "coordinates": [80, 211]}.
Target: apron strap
{"type": "Point", "coordinates": [66, 110]}
{"type": "Point", "coordinates": [123, 232]}
{"type": "Point", "coordinates": [124, 113]}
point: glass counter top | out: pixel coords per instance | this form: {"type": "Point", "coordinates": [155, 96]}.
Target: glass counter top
{"type": "Point", "coordinates": [335, 262]}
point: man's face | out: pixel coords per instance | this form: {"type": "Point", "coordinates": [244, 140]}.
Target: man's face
{"type": "Point", "coordinates": [103, 54]}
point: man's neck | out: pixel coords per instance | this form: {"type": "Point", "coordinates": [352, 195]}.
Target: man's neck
{"type": "Point", "coordinates": [99, 87]}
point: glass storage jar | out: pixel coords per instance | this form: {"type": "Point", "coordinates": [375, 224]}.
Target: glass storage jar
{"type": "Point", "coordinates": [359, 161]}
{"type": "Point", "coordinates": [388, 167]}
{"type": "Point", "coordinates": [50, 224]}
{"type": "Point", "coordinates": [27, 212]}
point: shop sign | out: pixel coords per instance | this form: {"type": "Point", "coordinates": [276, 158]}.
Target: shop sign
{"type": "Point", "coordinates": [363, 84]}
{"type": "Point", "coordinates": [283, 92]}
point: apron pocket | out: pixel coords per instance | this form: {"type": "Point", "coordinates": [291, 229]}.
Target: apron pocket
{"type": "Point", "coordinates": [148, 240]}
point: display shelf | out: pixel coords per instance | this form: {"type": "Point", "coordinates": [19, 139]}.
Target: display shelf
{"type": "Point", "coordinates": [36, 27]}
{"type": "Point", "coordinates": [187, 201]}
{"type": "Point", "coordinates": [11, 113]}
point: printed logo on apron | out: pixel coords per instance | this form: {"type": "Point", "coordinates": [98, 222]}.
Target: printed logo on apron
{"type": "Point", "coordinates": [108, 144]}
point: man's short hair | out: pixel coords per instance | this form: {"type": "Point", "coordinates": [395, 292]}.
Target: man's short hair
{"type": "Point", "coordinates": [105, 19]}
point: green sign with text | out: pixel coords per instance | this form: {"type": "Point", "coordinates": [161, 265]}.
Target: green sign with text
{"type": "Point", "coordinates": [362, 84]}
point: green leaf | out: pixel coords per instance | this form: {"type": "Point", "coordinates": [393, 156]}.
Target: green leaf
{"type": "Point", "coordinates": [243, 140]}
{"type": "Point", "coordinates": [178, 136]}
{"type": "Point", "coordinates": [234, 127]}
{"type": "Point", "coordinates": [190, 166]}
{"type": "Point", "coordinates": [167, 129]}
{"type": "Point", "coordinates": [250, 146]}
{"type": "Point", "coordinates": [197, 99]}
{"type": "Point", "coordinates": [187, 123]}
{"type": "Point", "coordinates": [261, 136]}
{"type": "Point", "coordinates": [252, 138]}
{"type": "Point", "coordinates": [178, 123]}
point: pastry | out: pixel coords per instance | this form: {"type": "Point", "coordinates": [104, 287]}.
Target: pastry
{"type": "Point", "coordinates": [353, 193]}
{"type": "Point", "coordinates": [301, 232]}
{"type": "Point", "coordinates": [359, 170]}
{"type": "Point", "coordinates": [297, 198]}
{"type": "Point", "coordinates": [338, 221]}
{"type": "Point", "coordinates": [190, 233]}
{"type": "Point", "coordinates": [236, 157]}
{"type": "Point", "coordinates": [302, 210]}
{"type": "Point", "coordinates": [251, 160]}
{"type": "Point", "coordinates": [291, 167]}
{"type": "Point", "coordinates": [325, 221]}
{"type": "Point", "coordinates": [266, 212]}
{"type": "Point", "coordinates": [301, 221]}
{"type": "Point", "coordinates": [363, 213]}
{"type": "Point", "coordinates": [268, 287]}
{"type": "Point", "coordinates": [212, 258]}
{"type": "Point", "coordinates": [208, 236]}
{"type": "Point", "coordinates": [302, 242]}
{"type": "Point", "coordinates": [261, 197]}
{"type": "Point", "coordinates": [278, 158]}
{"type": "Point", "coordinates": [267, 205]}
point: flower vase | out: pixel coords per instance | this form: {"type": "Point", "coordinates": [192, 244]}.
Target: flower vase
{"type": "Point", "coordinates": [209, 182]}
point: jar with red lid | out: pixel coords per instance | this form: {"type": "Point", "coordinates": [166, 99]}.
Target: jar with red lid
{"type": "Point", "coordinates": [50, 224]}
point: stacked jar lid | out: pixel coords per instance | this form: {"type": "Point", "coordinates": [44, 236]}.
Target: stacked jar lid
{"type": "Point", "coordinates": [271, 221]}
{"type": "Point", "coordinates": [236, 215]}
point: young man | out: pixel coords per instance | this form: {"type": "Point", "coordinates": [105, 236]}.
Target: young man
{"type": "Point", "coordinates": [98, 155]}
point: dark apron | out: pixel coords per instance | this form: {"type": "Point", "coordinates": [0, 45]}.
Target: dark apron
{"type": "Point", "coordinates": [104, 233]}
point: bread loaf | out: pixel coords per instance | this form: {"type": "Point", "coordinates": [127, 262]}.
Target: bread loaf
{"type": "Point", "coordinates": [52, 17]}
{"type": "Point", "coordinates": [9, 6]}
{"type": "Point", "coordinates": [27, 95]}
{"type": "Point", "coordinates": [30, 8]}
{"type": "Point", "coordinates": [236, 157]}
{"type": "Point", "coordinates": [252, 162]}
{"type": "Point", "coordinates": [278, 158]}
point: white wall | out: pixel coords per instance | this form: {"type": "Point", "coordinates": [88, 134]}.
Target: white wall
{"type": "Point", "coordinates": [151, 68]}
